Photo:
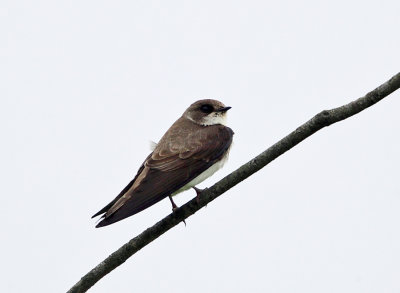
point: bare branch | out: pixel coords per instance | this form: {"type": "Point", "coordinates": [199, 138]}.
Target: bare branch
{"type": "Point", "coordinates": [319, 121]}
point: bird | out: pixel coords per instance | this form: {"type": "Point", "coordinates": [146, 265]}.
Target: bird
{"type": "Point", "coordinates": [192, 149]}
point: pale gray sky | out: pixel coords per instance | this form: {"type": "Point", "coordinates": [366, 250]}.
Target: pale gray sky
{"type": "Point", "coordinates": [86, 84]}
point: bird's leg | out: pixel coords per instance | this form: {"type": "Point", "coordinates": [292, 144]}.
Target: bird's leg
{"type": "Point", "coordinates": [198, 193]}
{"type": "Point", "coordinates": [175, 207]}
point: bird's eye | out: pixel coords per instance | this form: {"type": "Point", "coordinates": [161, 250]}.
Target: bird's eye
{"type": "Point", "coordinates": [206, 108]}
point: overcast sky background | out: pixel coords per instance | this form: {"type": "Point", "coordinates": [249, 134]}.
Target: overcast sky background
{"type": "Point", "coordinates": [85, 85]}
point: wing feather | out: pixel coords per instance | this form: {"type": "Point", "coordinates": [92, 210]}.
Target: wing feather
{"type": "Point", "coordinates": [173, 164]}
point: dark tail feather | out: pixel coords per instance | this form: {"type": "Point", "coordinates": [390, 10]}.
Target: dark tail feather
{"type": "Point", "coordinates": [105, 209]}
{"type": "Point", "coordinates": [130, 208]}
{"type": "Point", "coordinates": [104, 222]}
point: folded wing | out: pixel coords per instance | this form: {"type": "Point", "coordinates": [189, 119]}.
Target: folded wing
{"type": "Point", "coordinates": [175, 162]}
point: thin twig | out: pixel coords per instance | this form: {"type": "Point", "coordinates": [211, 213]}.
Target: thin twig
{"type": "Point", "coordinates": [319, 121]}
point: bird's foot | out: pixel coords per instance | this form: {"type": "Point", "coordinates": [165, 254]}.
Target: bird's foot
{"type": "Point", "coordinates": [198, 193]}
{"type": "Point", "coordinates": [175, 207]}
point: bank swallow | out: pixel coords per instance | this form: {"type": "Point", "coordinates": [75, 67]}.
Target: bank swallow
{"type": "Point", "coordinates": [192, 149]}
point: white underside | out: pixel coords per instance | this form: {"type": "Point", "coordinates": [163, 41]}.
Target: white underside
{"type": "Point", "coordinates": [203, 176]}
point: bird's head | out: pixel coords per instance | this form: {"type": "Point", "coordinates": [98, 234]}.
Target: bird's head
{"type": "Point", "coordinates": [207, 112]}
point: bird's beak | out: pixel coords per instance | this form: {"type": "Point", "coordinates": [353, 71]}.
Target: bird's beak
{"type": "Point", "coordinates": [223, 109]}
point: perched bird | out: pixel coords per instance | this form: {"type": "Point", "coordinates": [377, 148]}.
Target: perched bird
{"type": "Point", "coordinates": [192, 149]}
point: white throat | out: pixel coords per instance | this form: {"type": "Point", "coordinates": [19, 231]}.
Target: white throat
{"type": "Point", "coordinates": [211, 119]}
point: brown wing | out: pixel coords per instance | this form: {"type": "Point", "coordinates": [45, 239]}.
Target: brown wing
{"type": "Point", "coordinates": [181, 155]}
